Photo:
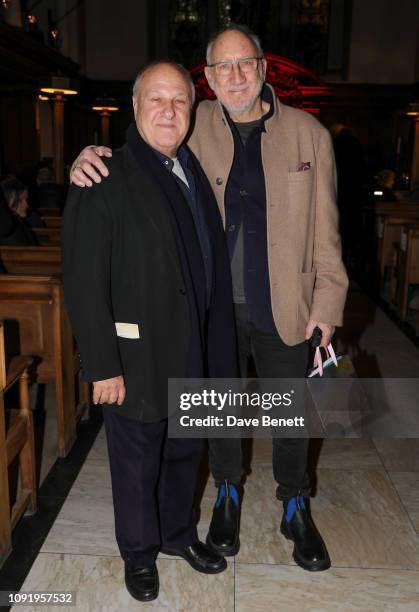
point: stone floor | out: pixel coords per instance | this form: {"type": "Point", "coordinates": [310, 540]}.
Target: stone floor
{"type": "Point", "coordinates": [366, 506]}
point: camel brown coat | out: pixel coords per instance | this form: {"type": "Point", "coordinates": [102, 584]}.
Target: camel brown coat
{"type": "Point", "coordinates": [307, 276]}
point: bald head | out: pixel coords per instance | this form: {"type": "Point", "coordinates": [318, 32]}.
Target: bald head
{"type": "Point", "coordinates": [168, 65]}
{"type": "Point", "coordinates": [162, 103]}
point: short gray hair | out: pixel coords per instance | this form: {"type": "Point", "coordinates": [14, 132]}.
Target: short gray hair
{"type": "Point", "coordinates": [234, 27]}
{"type": "Point", "coordinates": [181, 69]}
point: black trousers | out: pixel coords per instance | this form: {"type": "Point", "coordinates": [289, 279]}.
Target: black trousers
{"type": "Point", "coordinates": [153, 486]}
{"type": "Point", "coordinates": [273, 359]}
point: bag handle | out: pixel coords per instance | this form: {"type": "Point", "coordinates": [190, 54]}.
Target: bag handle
{"type": "Point", "coordinates": [318, 361]}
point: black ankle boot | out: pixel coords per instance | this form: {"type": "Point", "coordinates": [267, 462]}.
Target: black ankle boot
{"type": "Point", "coordinates": [310, 551]}
{"type": "Point", "coordinates": [223, 534]}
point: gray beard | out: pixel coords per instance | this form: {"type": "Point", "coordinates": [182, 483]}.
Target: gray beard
{"type": "Point", "coordinates": [241, 110]}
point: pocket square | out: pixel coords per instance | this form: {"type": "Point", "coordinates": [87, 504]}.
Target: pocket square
{"type": "Point", "coordinates": [304, 166]}
{"type": "Point", "coordinates": [127, 330]}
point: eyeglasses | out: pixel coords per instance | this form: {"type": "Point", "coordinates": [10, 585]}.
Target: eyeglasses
{"type": "Point", "coordinates": [246, 64]}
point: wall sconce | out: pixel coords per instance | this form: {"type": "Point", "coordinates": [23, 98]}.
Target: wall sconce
{"type": "Point", "coordinates": [32, 19]}
{"type": "Point", "coordinates": [105, 105]}
{"type": "Point", "coordinates": [5, 4]}
{"type": "Point", "coordinates": [413, 109]}
{"type": "Point", "coordinates": [53, 34]}
{"type": "Point", "coordinates": [58, 87]}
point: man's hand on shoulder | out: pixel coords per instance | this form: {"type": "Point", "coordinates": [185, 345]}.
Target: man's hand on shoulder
{"type": "Point", "coordinates": [109, 391]}
{"type": "Point", "coordinates": [326, 329]}
{"type": "Point", "coordinates": [88, 165]}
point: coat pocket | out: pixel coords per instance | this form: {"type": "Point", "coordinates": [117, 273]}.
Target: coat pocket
{"type": "Point", "coordinates": [301, 188]}
{"type": "Point", "coordinates": [301, 176]}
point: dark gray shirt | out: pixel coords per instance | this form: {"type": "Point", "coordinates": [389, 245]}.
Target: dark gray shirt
{"type": "Point", "coordinates": [237, 261]}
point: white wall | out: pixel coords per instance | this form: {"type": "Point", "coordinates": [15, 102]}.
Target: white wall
{"type": "Point", "coordinates": [384, 39]}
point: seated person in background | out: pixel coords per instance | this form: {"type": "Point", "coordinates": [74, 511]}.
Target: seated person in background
{"type": "Point", "coordinates": [12, 232]}
{"type": "Point", "coordinates": [384, 186]}
{"type": "Point", "coordinates": [49, 194]}
{"type": "Point", "coordinates": [16, 196]}
{"type": "Point", "coordinates": [7, 228]}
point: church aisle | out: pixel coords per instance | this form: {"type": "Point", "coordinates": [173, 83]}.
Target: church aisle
{"type": "Point", "coordinates": [366, 505]}
{"type": "Point", "coordinates": [371, 539]}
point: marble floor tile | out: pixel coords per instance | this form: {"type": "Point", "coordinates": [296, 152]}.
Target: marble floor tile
{"type": "Point", "coordinates": [407, 486]}
{"type": "Point", "coordinates": [260, 539]}
{"type": "Point", "coordinates": [258, 451]}
{"type": "Point", "coordinates": [399, 455]}
{"type": "Point", "coordinates": [377, 346]}
{"type": "Point", "coordinates": [99, 448]}
{"type": "Point", "coordinates": [347, 454]}
{"type": "Point", "coordinates": [361, 519]}
{"type": "Point", "coordinates": [45, 435]}
{"type": "Point", "coordinates": [85, 524]}
{"type": "Point", "coordinates": [99, 585]}
{"type": "Point", "coordinates": [358, 512]}
{"type": "Point", "coordinates": [267, 588]}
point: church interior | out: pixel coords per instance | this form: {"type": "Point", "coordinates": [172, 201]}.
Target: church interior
{"type": "Point", "coordinates": [66, 73]}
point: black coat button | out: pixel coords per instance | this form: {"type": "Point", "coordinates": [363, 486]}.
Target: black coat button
{"type": "Point", "coordinates": [219, 180]}
{"type": "Point", "coordinates": [182, 291]}
{"type": "Point", "coordinates": [243, 193]}
{"type": "Point", "coordinates": [231, 228]}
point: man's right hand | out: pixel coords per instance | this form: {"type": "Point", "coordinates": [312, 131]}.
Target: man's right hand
{"type": "Point", "coordinates": [109, 391]}
{"type": "Point", "coordinates": [88, 165]}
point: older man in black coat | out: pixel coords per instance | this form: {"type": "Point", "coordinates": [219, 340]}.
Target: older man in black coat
{"type": "Point", "coordinates": [148, 289]}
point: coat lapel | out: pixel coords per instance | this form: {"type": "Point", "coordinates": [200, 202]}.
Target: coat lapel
{"type": "Point", "coordinates": [213, 144]}
{"type": "Point", "coordinates": [154, 203]}
{"type": "Point", "coordinates": [274, 146]}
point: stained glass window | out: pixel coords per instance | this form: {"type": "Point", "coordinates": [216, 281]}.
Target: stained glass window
{"type": "Point", "coordinates": [187, 31]}
{"type": "Point", "coordinates": [311, 34]}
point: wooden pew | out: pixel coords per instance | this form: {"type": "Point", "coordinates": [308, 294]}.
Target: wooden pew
{"type": "Point", "coordinates": [407, 266]}
{"type": "Point", "coordinates": [16, 440]}
{"type": "Point", "coordinates": [44, 260]}
{"type": "Point", "coordinates": [49, 212]}
{"type": "Point", "coordinates": [53, 221]}
{"type": "Point", "coordinates": [390, 218]}
{"type": "Point", "coordinates": [48, 236]}
{"type": "Point", "coordinates": [394, 207]}
{"type": "Point", "coordinates": [36, 303]}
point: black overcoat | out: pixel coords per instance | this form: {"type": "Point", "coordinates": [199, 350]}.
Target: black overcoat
{"type": "Point", "coordinates": [121, 264]}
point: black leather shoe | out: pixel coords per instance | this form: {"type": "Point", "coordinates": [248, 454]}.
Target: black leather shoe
{"type": "Point", "coordinates": [200, 557]}
{"type": "Point", "coordinates": [310, 551]}
{"type": "Point", "coordinates": [223, 534]}
{"type": "Point", "coordinates": [142, 583]}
